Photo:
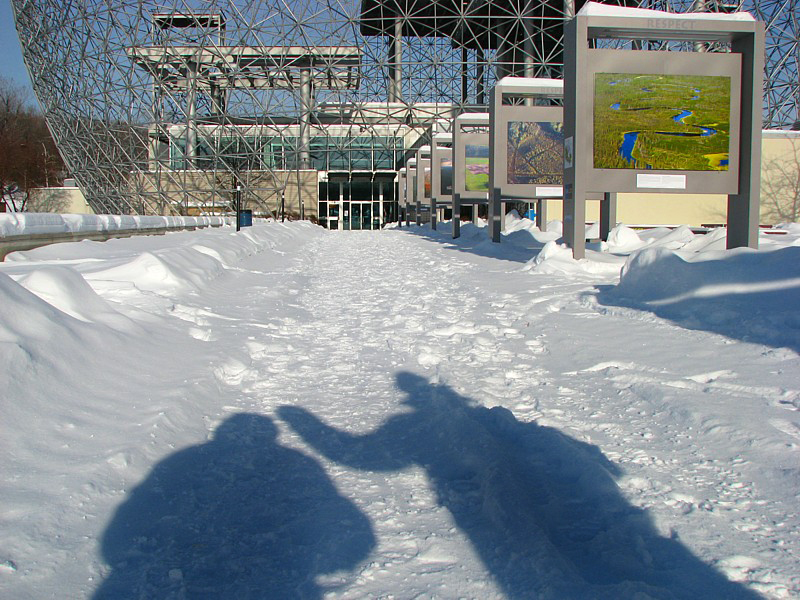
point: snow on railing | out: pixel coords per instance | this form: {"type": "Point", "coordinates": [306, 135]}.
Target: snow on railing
{"type": "Point", "coordinates": [16, 224]}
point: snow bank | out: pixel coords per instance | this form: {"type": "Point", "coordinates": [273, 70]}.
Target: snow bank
{"type": "Point", "coordinates": [64, 289]}
{"type": "Point", "coordinates": [671, 271]}
{"type": "Point", "coordinates": [557, 258]}
{"type": "Point", "coordinates": [661, 277]}
{"type": "Point", "coordinates": [754, 292]}
{"type": "Point", "coordinates": [486, 431]}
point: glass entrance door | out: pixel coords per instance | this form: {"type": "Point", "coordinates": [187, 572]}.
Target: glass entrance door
{"type": "Point", "coordinates": [355, 205]}
{"type": "Point", "coordinates": [361, 216]}
{"type": "Point", "coordinates": [366, 215]}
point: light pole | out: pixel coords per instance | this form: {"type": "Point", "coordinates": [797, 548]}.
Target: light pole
{"type": "Point", "coordinates": [238, 207]}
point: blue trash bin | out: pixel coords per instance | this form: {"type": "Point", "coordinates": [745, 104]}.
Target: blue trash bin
{"type": "Point", "coordinates": [245, 218]}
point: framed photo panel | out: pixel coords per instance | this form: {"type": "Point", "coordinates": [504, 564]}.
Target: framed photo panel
{"type": "Point", "coordinates": [442, 174]}
{"type": "Point", "coordinates": [529, 155]}
{"type": "Point", "coordinates": [662, 121]}
{"type": "Point", "coordinates": [471, 157]}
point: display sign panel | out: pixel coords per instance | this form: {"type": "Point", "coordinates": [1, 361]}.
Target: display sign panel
{"type": "Point", "coordinates": [442, 168]}
{"type": "Point", "coordinates": [476, 167]}
{"type": "Point", "coordinates": [401, 186]}
{"type": "Point", "coordinates": [663, 115]}
{"type": "Point", "coordinates": [411, 179]}
{"type": "Point", "coordinates": [445, 175]}
{"type": "Point", "coordinates": [423, 181]}
{"type": "Point", "coordinates": [529, 142]}
{"type": "Point", "coordinates": [471, 166]}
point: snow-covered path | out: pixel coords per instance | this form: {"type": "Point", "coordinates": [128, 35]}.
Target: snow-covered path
{"type": "Point", "coordinates": [365, 415]}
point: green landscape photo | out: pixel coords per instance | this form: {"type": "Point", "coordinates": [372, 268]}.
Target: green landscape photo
{"type": "Point", "coordinates": [477, 168]}
{"type": "Point", "coordinates": [535, 152]}
{"type": "Point", "coordinates": [663, 122]}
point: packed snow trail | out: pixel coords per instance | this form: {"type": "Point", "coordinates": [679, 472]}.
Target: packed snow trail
{"type": "Point", "coordinates": [463, 501]}
{"type": "Point", "coordinates": [383, 415]}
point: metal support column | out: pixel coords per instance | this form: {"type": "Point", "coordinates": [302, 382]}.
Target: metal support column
{"type": "Point", "coordinates": [305, 119]}
{"type": "Point", "coordinates": [480, 77]}
{"type": "Point", "coordinates": [464, 75]}
{"type": "Point", "coordinates": [529, 70]}
{"type": "Point", "coordinates": [456, 216]}
{"type": "Point", "coordinates": [191, 118]}
{"type": "Point", "coordinates": [496, 215]}
{"type": "Point", "coordinates": [541, 214]}
{"type": "Point", "coordinates": [396, 62]}
{"type": "Point", "coordinates": [608, 214]}
{"type": "Point", "coordinates": [381, 221]}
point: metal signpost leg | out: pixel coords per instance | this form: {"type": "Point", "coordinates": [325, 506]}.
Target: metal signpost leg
{"type": "Point", "coordinates": [541, 214]}
{"type": "Point", "coordinates": [456, 215]}
{"type": "Point", "coordinates": [608, 214]}
{"type": "Point", "coordinates": [495, 216]}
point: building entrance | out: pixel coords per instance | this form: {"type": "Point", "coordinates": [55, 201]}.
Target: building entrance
{"type": "Point", "coordinates": [361, 215]}
{"type": "Point", "coordinates": [357, 204]}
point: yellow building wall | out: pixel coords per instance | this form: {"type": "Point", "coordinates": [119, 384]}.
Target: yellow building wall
{"type": "Point", "coordinates": [62, 200]}
{"type": "Point", "coordinates": [780, 177]}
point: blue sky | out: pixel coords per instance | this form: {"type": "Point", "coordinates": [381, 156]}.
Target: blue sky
{"type": "Point", "coordinates": [11, 65]}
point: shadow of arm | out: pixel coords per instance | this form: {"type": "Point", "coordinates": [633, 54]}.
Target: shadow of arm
{"type": "Point", "coordinates": [371, 452]}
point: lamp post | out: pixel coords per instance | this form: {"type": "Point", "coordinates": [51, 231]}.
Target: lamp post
{"type": "Point", "coordinates": [238, 207]}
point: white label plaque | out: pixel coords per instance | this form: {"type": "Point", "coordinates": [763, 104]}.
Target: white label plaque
{"type": "Point", "coordinates": [555, 191]}
{"type": "Point", "coordinates": [670, 182]}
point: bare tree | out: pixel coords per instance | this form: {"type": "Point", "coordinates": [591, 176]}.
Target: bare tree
{"type": "Point", "coordinates": [780, 186]}
{"type": "Point", "coordinates": [28, 155]}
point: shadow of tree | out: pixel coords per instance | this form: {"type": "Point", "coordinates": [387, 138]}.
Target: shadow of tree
{"type": "Point", "coordinates": [238, 517]}
{"type": "Point", "coordinates": [541, 509]}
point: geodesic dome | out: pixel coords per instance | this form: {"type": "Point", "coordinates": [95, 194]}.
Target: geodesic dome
{"type": "Point", "coordinates": [160, 106]}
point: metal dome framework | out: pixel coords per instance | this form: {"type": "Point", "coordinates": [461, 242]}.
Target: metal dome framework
{"type": "Point", "coordinates": [169, 106]}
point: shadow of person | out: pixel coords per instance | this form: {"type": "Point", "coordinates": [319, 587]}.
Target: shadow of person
{"type": "Point", "coordinates": [238, 517]}
{"type": "Point", "coordinates": [541, 509]}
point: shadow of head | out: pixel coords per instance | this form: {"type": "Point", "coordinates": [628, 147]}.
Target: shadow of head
{"type": "Point", "coordinates": [246, 429]}
{"type": "Point", "coordinates": [422, 394]}
{"type": "Point", "coordinates": [411, 384]}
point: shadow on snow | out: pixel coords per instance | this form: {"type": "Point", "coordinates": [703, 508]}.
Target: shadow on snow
{"type": "Point", "coordinates": [238, 517]}
{"type": "Point", "coordinates": [541, 509]}
{"type": "Point", "coordinates": [518, 246]}
{"type": "Point", "coordinates": [750, 296]}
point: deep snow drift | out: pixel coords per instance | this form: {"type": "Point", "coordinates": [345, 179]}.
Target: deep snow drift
{"type": "Point", "coordinates": [290, 412]}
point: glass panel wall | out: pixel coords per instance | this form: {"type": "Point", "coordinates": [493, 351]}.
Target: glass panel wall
{"type": "Point", "coordinates": [280, 153]}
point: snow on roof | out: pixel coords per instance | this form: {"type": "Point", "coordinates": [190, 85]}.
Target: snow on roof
{"type": "Point", "coordinates": [595, 9]}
